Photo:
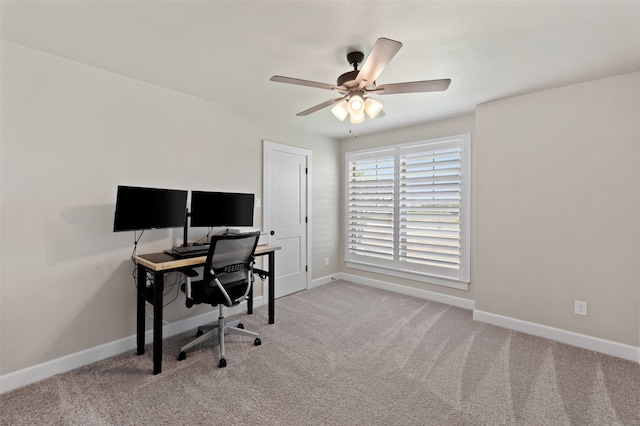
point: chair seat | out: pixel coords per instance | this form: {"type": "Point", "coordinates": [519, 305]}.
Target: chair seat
{"type": "Point", "coordinates": [211, 294]}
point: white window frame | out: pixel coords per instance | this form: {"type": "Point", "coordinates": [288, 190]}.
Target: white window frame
{"type": "Point", "coordinates": [455, 274]}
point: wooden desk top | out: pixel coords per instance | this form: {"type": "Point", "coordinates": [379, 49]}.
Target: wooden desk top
{"type": "Point", "coordinates": [162, 261]}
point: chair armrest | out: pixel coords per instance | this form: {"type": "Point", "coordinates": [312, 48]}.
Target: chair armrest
{"type": "Point", "coordinates": [190, 272]}
{"type": "Point", "coordinates": [261, 273]}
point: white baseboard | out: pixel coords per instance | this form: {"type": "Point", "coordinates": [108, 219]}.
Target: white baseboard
{"type": "Point", "coordinates": [584, 341]}
{"type": "Point", "coordinates": [69, 362]}
{"type": "Point", "coordinates": [321, 281]}
{"type": "Point", "coordinates": [48, 369]}
{"type": "Point", "coordinates": [409, 291]}
{"type": "Point", "coordinates": [607, 347]}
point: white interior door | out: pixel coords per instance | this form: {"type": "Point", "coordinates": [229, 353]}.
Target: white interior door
{"type": "Point", "coordinates": [285, 214]}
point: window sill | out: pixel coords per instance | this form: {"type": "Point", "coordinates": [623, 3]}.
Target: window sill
{"type": "Point", "coordinates": [415, 276]}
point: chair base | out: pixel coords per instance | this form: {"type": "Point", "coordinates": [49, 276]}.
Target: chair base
{"type": "Point", "coordinates": [208, 331]}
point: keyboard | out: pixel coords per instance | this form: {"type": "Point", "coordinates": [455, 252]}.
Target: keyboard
{"type": "Point", "coordinates": [194, 250]}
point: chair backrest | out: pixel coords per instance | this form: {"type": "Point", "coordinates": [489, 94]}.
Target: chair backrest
{"type": "Point", "coordinates": [230, 262]}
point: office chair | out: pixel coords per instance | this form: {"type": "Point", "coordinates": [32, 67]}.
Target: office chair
{"type": "Point", "coordinates": [227, 279]}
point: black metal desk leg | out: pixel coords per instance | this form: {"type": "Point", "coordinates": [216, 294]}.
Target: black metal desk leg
{"type": "Point", "coordinates": [141, 282]}
{"type": "Point", "coordinates": [158, 287]}
{"type": "Point", "coordinates": [272, 286]}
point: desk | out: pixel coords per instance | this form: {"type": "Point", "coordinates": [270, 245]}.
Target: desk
{"type": "Point", "coordinates": [158, 264]}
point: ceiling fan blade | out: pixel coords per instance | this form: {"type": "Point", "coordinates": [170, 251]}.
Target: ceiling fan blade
{"type": "Point", "coordinates": [320, 106]}
{"type": "Point", "coordinates": [381, 54]}
{"type": "Point", "coordinates": [300, 82]}
{"type": "Point", "coordinates": [413, 87]}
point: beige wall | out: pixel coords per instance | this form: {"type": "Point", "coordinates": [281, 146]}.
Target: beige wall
{"type": "Point", "coordinates": [71, 134]}
{"type": "Point", "coordinates": [557, 204]}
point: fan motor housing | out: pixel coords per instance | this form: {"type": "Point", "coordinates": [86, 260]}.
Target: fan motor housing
{"type": "Point", "coordinates": [354, 59]}
{"type": "Point", "coordinates": [347, 76]}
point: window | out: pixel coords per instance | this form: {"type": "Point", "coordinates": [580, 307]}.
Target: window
{"type": "Point", "coordinates": [408, 210]}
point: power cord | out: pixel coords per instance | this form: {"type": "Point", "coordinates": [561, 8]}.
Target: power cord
{"type": "Point", "coordinates": [168, 289]}
{"type": "Point", "coordinates": [135, 245]}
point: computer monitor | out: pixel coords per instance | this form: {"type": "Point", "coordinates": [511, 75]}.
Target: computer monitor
{"type": "Point", "coordinates": [140, 208]}
{"type": "Point", "coordinates": [221, 209]}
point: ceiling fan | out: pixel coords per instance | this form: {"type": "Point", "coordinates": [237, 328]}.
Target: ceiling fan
{"type": "Point", "coordinates": [354, 86]}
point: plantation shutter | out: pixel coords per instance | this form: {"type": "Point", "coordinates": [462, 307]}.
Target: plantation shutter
{"type": "Point", "coordinates": [429, 196]}
{"type": "Point", "coordinates": [407, 210]}
{"type": "Point", "coordinates": [370, 207]}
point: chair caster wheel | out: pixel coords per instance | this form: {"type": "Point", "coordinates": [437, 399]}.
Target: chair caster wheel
{"type": "Point", "coordinates": [199, 332]}
{"type": "Point", "coordinates": [222, 363]}
{"type": "Point", "coordinates": [182, 356]}
{"type": "Point", "coordinates": [188, 303]}
{"type": "Point", "coordinates": [241, 325]}
{"type": "Point", "coordinates": [257, 342]}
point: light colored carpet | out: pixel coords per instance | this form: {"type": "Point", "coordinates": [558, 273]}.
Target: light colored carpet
{"type": "Point", "coordinates": [346, 354]}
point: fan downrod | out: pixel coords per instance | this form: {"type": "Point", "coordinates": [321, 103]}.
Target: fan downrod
{"type": "Point", "coordinates": [354, 59]}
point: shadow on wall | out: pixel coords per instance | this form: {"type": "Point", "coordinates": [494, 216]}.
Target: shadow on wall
{"type": "Point", "coordinates": [88, 230]}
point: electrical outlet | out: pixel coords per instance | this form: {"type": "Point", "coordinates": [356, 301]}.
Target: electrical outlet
{"type": "Point", "coordinates": [326, 261]}
{"type": "Point", "coordinates": [581, 308]}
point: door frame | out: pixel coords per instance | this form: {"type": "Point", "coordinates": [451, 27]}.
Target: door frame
{"type": "Point", "coordinates": [267, 147]}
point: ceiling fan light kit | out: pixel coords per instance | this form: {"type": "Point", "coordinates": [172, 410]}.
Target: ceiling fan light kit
{"type": "Point", "coordinates": [372, 107]}
{"type": "Point", "coordinates": [341, 110]}
{"type": "Point", "coordinates": [356, 118]}
{"type": "Point", "coordinates": [356, 107]}
{"type": "Point", "coordinates": [354, 86]}
{"type": "Point", "coordinates": [356, 104]}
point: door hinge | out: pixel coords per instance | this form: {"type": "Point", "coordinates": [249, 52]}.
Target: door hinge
{"type": "Point", "coordinates": [306, 268]}
{"type": "Point", "coordinates": [306, 219]}
{"type": "Point", "coordinates": [306, 170]}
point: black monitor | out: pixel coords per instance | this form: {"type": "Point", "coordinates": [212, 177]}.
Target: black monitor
{"type": "Point", "coordinates": [221, 209]}
{"type": "Point", "coordinates": [149, 208]}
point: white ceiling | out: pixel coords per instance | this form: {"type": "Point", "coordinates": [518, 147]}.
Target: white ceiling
{"type": "Point", "coordinates": [226, 51]}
